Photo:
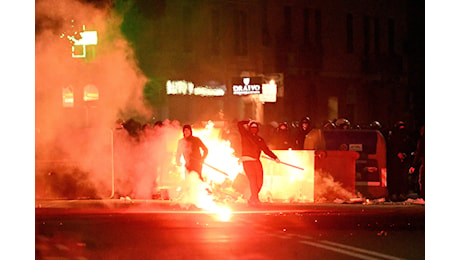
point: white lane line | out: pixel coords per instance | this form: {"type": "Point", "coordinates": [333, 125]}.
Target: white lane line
{"type": "Point", "coordinates": [338, 250]}
{"type": "Point", "coordinates": [385, 256]}
{"type": "Point", "coordinates": [305, 237]}
{"type": "Point", "coordinates": [325, 245]}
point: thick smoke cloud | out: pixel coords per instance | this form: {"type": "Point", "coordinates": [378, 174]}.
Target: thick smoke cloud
{"type": "Point", "coordinates": [113, 69]}
{"type": "Point", "coordinates": [79, 152]}
{"type": "Point", "coordinates": [74, 145]}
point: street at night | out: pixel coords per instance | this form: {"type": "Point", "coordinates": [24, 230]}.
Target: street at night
{"type": "Point", "coordinates": [148, 229]}
{"type": "Point", "coordinates": [223, 129]}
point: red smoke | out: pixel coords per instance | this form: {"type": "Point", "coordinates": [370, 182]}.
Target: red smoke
{"type": "Point", "coordinates": [73, 145]}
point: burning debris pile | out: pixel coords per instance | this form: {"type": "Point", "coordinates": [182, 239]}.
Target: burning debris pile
{"type": "Point", "coordinates": [139, 163]}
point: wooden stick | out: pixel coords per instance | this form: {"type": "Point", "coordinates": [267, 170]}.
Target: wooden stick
{"type": "Point", "coordinates": [297, 167]}
{"type": "Point", "coordinates": [214, 168]}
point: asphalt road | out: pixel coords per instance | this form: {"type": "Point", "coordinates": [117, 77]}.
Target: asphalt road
{"type": "Point", "coordinates": [97, 229]}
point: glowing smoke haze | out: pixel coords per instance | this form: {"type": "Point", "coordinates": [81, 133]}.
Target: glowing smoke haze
{"type": "Point", "coordinates": [79, 158]}
{"type": "Point", "coordinates": [112, 70]}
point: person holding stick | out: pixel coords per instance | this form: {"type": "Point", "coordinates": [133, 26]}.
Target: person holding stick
{"type": "Point", "coordinates": [193, 150]}
{"type": "Point", "coordinates": [251, 146]}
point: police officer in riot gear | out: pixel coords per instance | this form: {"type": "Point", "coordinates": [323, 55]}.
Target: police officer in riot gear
{"type": "Point", "coordinates": [282, 139]}
{"type": "Point", "coordinates": [305, 127]}
{"type": "Point", "coordinates": [399, 148]}
{"type": "Point", "coordinates": [342, 123]}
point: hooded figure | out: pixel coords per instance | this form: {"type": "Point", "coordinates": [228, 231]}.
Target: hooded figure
{"type": "Point", "coordinates": [193, 150]}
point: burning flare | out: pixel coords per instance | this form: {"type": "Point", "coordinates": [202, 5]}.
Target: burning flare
{"type": "Point", "coordinates": [221, 165]}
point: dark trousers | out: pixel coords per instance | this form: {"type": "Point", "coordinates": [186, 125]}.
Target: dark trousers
{"type": "Point", "coordinates": [421, 180]}
{"type": "Point", "coordinates": [255, 174]}
{"type": "Point", "coordinates": [195, 166]}
{"type": "Point", "coordinates": [398, 177]}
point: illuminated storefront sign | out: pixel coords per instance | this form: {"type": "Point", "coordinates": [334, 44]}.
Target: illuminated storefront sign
{"type": "Point", "coordinates": [247, 85]}
{"type": "Point", "coordinates": [210, 92]}
{"type": "Point", "coordinates": [278, 79]}
{"type": "Point", "coordinates": [269, 92]}
{"type": "Point", "coordinates": [182, 87]}
{"type": "Point", "coordinates": [179, 87]}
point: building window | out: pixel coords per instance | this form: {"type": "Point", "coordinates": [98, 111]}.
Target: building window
{"type": "Point", "coordinates": [391, 36]}
{"type": "Point", "coordinates": [67, 96]}
{"type": "Point", "coordinates": [350, 112]}
{"type": "Point", "coordinates": [240, 32]}
{"type": "Point", "coordinates": [187, 28]}
{"type": "Point", "coordinates": [366, 31]}
{"type": "Point", "coordinates": [377, 35]}
{"type": "Point", "coordinates": [287, 23]}
{"type": "Point", "coordinates": [215, 32]}
{"type": "Point", "coordinates": [85, 46]}
{"type": "Point", "coordinates": [306, 26]}
{"type": "Point", "coordinates": [266, 41]}
{"type": "Point", "coordinates": [90, 93]}
{"type": "Point", "coordinates": [333, 107]}
{"type": "Point", "coordinates": [318, 27]}
{"type": "Point", "coordinates": [349, 33]}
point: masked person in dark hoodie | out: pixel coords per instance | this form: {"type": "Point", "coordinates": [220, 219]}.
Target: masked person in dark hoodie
{"type": "Point", "coordinates": [251, 146]}
{"type": "Point", "coordinates": [193, 150]}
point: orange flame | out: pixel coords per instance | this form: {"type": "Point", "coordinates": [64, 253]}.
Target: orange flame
{"type": "Point", "coordinates": [223, 165]}
{"type": "Point", "coordinates": [221, 156]}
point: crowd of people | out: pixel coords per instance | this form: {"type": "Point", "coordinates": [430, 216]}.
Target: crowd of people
{"type": "Point", "coordinates": [405, 149]}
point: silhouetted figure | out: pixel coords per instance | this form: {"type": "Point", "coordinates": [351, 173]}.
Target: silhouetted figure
{"type": "Point", "coordinates": [133, 127]}
{"type": "Point", "coordinates": [419, 162]}
{"type": "Point", "coordinates": [399, 148]}
{"type": "Point", "coordinates": [125, 156]}
{"type": "Point", "coordinates": [252, 145]}
{"type": "Point", "coordinates": [282, 139]}
{"type": "Point", "coordinates": [304, 128]}
{"type": "Point", "coordinates": [342, 123]}
{"type": "Point", "coordinates": [193, 150]}
{"type": "Point", "coordinates": [329, 124]}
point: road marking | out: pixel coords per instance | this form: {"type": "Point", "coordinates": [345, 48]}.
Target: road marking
{"type": "Point", "coordinates": [305, 237]}
{"type": "Point", "coordinates": [338, 250]}
{"type": "Point", "coordinates": [325, 244]}
{"type": "Point", "coordinates": [361, 250]}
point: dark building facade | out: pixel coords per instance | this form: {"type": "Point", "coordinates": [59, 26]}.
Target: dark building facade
{"type": "Point", "coordinates": [360, 60]}
{"type": "Point", "coordinates": [338, 59]}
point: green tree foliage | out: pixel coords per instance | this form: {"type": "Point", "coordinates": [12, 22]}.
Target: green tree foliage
{"type": "Point", "coordinates": [154, 92]}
